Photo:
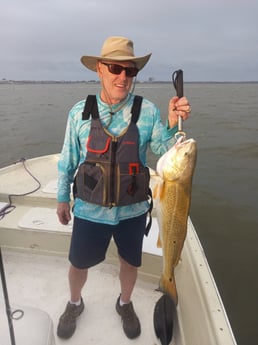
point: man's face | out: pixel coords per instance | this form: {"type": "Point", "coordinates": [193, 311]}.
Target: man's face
{"type": "Point", "coordinates": [115, 87]}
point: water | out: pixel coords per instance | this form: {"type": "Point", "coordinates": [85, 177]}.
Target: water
{"type": "Point", "coordinates": [225, 187]}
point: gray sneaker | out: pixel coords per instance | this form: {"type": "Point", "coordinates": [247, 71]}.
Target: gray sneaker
{"type": "Point", "coordinates": [67, 322]}
{"type": "Point", "coordinates": [131, 323]}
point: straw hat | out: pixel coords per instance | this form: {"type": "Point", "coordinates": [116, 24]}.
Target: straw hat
{"type": "Point", "coordinates": [115, 48]}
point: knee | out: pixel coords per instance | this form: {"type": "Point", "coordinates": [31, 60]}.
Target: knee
{"type": "Point", "coordinates": [126, 265]}
{"type": "Point", "coordinates": [77, 272]}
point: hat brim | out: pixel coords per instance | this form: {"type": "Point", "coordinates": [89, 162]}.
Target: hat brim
{"type": "Point", "coordinates": [91, 61]}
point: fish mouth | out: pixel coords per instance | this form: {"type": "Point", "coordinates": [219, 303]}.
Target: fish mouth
{"type": "Point", "coordinates": [178, 161]}
{"type": "Point", "coordinates": [181, 142]}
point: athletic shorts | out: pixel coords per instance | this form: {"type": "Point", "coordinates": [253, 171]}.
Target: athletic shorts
{"type": "Point", "coordinates": [90, 241]}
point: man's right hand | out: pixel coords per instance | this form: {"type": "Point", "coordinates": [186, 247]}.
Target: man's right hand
{"type": "Point", "coordinates": [63, 212]}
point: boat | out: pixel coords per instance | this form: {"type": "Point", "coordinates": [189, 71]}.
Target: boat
{"type": "Point", "coordinates": [35, 247]}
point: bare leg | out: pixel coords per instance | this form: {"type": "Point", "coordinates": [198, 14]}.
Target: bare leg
{"type": "Point", "coordinates": [77, 278]}
{"type": "Point", "coordinates": [128, 276]}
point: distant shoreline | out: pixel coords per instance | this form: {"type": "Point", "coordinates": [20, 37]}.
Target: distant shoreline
{"type": "Point", "coordinates": [137, 82]}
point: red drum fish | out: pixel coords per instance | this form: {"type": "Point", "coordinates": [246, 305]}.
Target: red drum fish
{"type": "Point", "coordinates": [172, 195]}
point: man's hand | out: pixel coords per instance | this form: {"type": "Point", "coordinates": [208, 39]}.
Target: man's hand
{"type": "Point", "coordinates": [178, 107]}
{"type": "Point", "coordinates": [63, 212]}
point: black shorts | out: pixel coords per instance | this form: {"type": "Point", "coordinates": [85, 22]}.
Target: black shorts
{"type": "Point", "coordinates": [90, 241]}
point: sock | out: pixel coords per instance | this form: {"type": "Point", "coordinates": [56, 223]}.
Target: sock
{"type": "Point", "coordinates": [76, 303]}
{"type": "Point", "coordinates": [121, 303]}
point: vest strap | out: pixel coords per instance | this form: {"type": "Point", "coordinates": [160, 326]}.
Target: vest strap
{"type": "Point", "coordinates": [91, 108]}
{"type": "Point", "coordinates": [136, 108]}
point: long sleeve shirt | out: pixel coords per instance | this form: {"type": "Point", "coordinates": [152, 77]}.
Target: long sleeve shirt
{"type": "Point", "coordinates": [152, 132]}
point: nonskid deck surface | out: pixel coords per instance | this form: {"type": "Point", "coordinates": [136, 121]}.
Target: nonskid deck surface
{"type": "Point", "coordinates": [41, 281]}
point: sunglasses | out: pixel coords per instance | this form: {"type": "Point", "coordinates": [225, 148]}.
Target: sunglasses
{"type": "Point", "coordinates": [117, 69]}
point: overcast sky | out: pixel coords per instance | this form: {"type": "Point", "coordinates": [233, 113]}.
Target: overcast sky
{"type": "Point", "coordinates": [211, 40]}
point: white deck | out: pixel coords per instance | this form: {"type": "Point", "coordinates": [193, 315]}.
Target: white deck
{"type": "Point", "coordinates": [41, 281]}
{"type": "Point", "coordinates": [35, 250]}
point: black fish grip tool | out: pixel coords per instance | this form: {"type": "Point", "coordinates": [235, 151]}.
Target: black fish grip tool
{"type": "Point", "coordinates": [177, 79]}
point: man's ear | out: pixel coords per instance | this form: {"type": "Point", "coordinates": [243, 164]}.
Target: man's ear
{"type": "Point", "coordinates": [98, 68]}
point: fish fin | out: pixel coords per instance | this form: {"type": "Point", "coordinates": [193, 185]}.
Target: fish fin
{"type": "Point", "coordinates": [158, 190]}
{"type": "Point", "coordinates": [155, 191]}
{"type": "Point", "coordinates": [161, 190]}
{"type": "Point", "coordinates": [164, 317]}
{"type": "Point", "coordinates": [152, 172]}
{"type": "Point", "coordinates": [159, 243]}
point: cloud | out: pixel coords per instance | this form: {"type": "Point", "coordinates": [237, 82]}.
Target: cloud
{"type": "Point", "coordinates": [211, 40]}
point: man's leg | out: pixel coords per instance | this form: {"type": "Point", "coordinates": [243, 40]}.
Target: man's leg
{"type": "Point", "coordinates": [124, 305]}
{"type": "Point", "coordinates": [128, 276]}
{"type": "Point", "coordinates": [129, 238]}
{"type": "Point", "coordinates": [67, 322]}
{"type": "Point", "coordinates": [88, 248]}
{"type": "Point", "coordinates": [77, 279]}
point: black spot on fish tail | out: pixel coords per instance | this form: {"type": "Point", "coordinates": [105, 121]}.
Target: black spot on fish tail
{"type": "Point", "coordinates": [164, 319]}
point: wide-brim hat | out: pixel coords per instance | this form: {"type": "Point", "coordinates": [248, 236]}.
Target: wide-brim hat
{"type": "Point", "coordinates": [115, 48]}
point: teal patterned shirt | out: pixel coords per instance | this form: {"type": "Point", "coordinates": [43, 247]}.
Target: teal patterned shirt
{"type": "Point", "coordinates": [153, 133]}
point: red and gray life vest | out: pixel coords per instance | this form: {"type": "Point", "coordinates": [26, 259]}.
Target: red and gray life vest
{"type": "Point", "coordinates": [112, 173]}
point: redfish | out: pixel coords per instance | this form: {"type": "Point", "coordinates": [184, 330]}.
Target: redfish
{"type": "Point", "coordinates": [172, 195]}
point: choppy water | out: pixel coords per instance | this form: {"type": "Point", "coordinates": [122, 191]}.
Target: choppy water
{"type": "Point", "coordinates": [225, 189]}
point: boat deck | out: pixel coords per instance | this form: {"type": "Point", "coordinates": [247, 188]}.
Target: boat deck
{"type": "Point", "coordinates": [41, 281]}
{"type": "Point", "coordinates": [35, 248]}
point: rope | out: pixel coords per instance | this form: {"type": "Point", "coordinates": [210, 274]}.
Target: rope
{"type": "Point", "coordinates": [10, 206]}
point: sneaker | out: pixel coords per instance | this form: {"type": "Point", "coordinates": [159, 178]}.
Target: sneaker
{"type": "Point", "coordinates": [131, 323]}
{"type": "Point", "coordinates": [67, 321]}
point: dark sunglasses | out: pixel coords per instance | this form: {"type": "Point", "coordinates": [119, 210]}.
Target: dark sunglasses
{"type": "Point", "coordinates": [117, 69]}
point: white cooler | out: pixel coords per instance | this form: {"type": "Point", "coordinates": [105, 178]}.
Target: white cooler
{"type": "Point", "coordinates": [35, 327]}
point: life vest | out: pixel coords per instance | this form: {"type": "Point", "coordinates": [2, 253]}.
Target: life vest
{"type": "Point", "coordinates": [112, 173]}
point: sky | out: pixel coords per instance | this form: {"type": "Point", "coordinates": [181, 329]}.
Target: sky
{"type": "Point", "coordinates": [210, 40]}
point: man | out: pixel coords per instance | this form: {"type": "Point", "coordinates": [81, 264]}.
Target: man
{"type": "Point", "coordinates": [108, 143]}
